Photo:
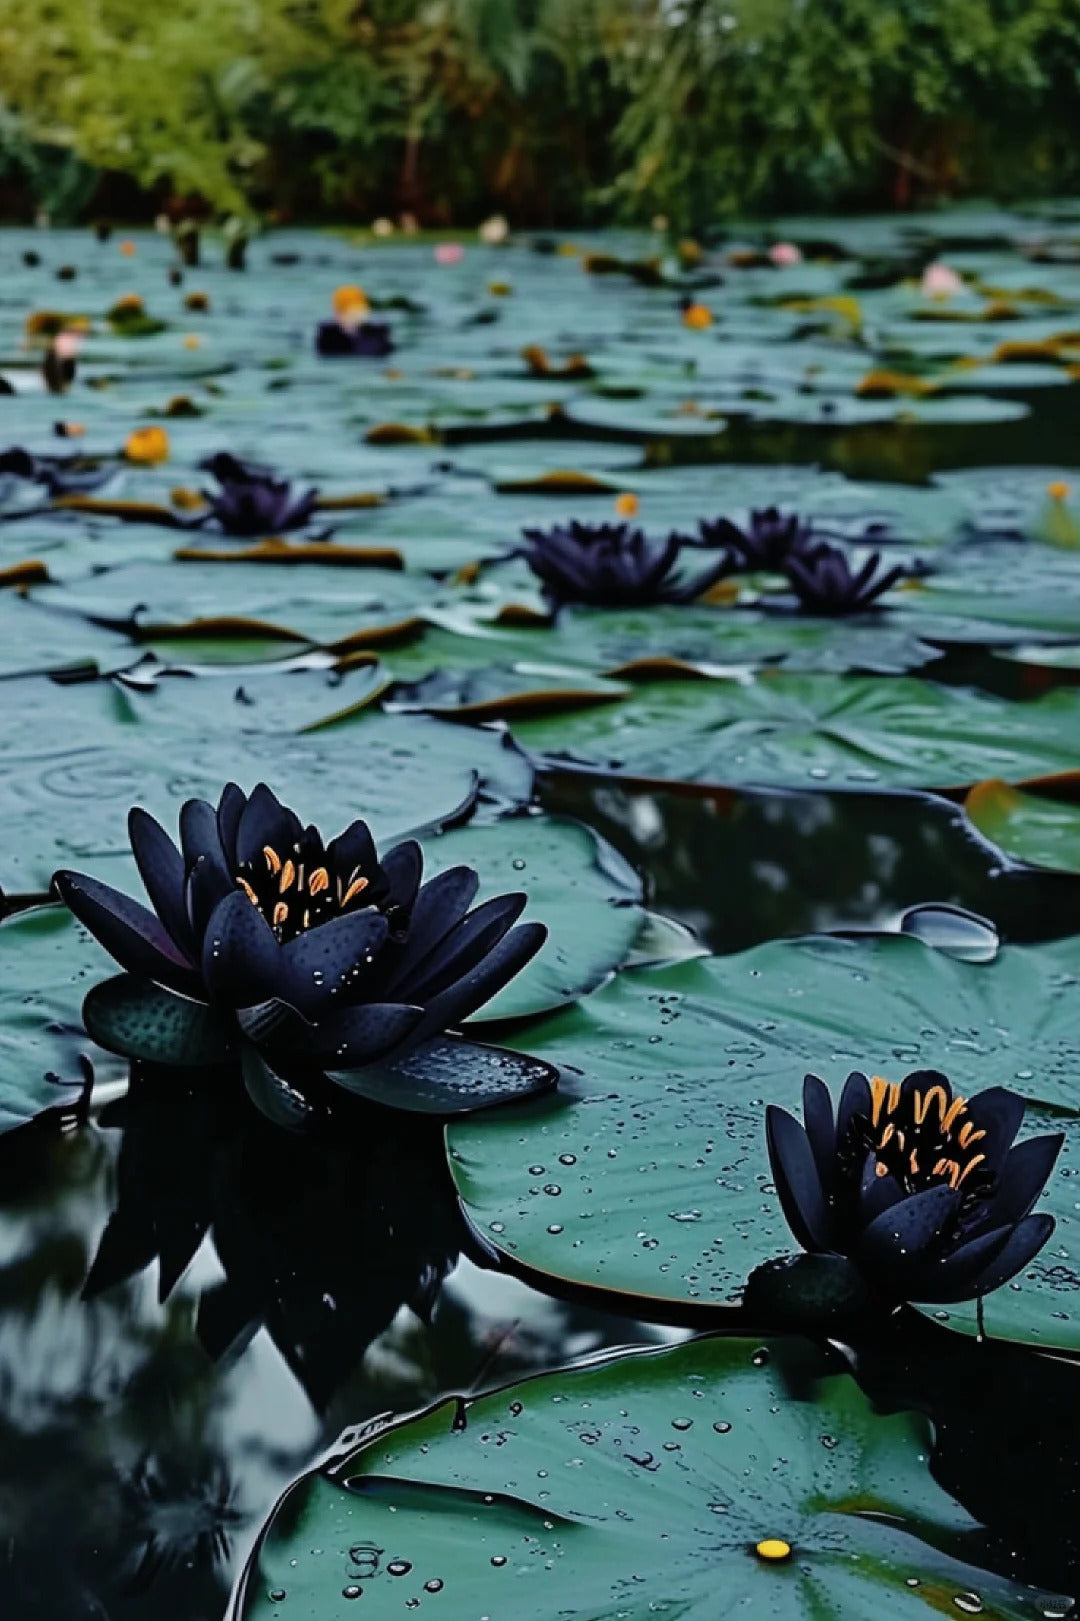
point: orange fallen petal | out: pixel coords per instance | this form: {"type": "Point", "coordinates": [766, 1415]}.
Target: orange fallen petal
{"type": "Point", "coordinates": [147, 446]}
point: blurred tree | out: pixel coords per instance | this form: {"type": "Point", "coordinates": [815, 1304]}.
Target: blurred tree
{"type": "Point", "coordinates": [554, 110]}
{"type": "Point", "coordinates": [796, 103]}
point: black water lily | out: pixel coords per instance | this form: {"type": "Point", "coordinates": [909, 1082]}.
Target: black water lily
{"type": "Point", "coordinates": [768, 540]}
{"type": "Point", "coordinates": [922, 1189]}
{"type": "Point", "coordinates": [60, 475]}
{"type": "Point", "coordinates": [301, 957]}
{"type": "Point", "coordinates": [612, 565]}
{"type": "Point", "coordinates": [249, 501]}
{"type": "Point", "coordinates": [367, 340]}
{"type": "Point", "coordinates": [825, 583]}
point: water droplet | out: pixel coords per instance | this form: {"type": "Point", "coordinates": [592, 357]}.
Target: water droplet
{"type": "Point", "coordinates": [722, 1427]}
{"type": "Point", "coordinates": [829, 1442]}
{"type": "Point", "coordinates": [434, 1586]}
{"type": "Point", "coordinates": [398, 1567]}
{"type": "Point", "coordinates": [277, 1595]}
{"type": "Point", "coordinates": [682, 1423]}
{"type": "Point", "coordinates": [537, 1170]}
{"type": "Point", "coordinates": [555, 1227]}
{"type": "Point", "coordinates": [518, 864]}
{"type": "Point", "coordinates": [352, 1591]}
{"type": "Point", "coordinates": [498, 1560]}
{"type": "Point", "coordinates": [970, 1603]}
{"type": "Point", "coordinates": [760, 1357]}
{"type": "Point", "coordinates": [567, 1159]}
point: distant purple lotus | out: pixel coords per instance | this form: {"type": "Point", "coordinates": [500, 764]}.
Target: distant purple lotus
{"type": "Point", "coordinates": [251, 502]}
{"type": "Point", "coordinates": [60, 475]}
{"type": "Point", "coordinates": [612, 565]}
{"type": "Point", "coordinates": [825, 583]}
{"type": "Point", "coordinates": [768, 540]}
{"type": "Point", "coordinates": [368, 340]}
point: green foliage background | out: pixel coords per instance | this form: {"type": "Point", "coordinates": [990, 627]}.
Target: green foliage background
{"type": "Point", "coordinates": [557, 111]}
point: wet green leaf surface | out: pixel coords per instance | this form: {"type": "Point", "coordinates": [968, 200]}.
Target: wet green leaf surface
{"type": "Point", "coordinates": [639, 1487]}
{"type": "Point", "coordinates": [647, 1173]}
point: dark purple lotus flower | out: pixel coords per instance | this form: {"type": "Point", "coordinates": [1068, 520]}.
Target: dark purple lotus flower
{"type": "Point", "coordinates": [611, 565]}
{"type": "Point", "coordinates": [921, 1189]}
{"type": "Point", "coordinates": [769, 539]}
{"type": "Point", "coordinates": [320, 956]}
{"type": "Point", "coordinates": [370, 340]}
{"type": "Point", "coordinates": [60, 475]}
{"type": "Point", "coordinates": [825, 583]}
{"type": "Point", "coordinates": [251, 502]}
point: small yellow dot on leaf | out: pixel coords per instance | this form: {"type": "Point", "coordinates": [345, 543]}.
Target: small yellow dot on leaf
{"type": "Point", "coordinates": [697, 317]}
{"type": "Point", "coordinates": [627, 504]}
{"type": "Point", "coordinates": [773, 1548]}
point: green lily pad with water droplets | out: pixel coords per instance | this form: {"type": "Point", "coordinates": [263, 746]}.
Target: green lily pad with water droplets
{"type": "Point", "coordinates": [647, 1172]}
{"type": "Point", "coordinates": [73, 760]}
{"type": "Point", "coordinates": [792, 731]}
{"type": "Point", "coordinates": [638, 1486]}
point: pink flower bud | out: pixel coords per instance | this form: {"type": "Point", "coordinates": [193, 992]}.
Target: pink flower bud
{"type": "Point", "coordinates": [939, 281]}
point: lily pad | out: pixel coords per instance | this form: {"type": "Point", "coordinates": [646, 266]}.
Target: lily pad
{"type": "Point", "coordinates": [647, 1174]}
{"type": "Point", "coordinates": [1033, 828]}
{"type": "Point", "coordinates": [589, 897]}
{"type": "Point", "coordinates": [797, 731]}
{"type": "Point", "coordinates": [714, 1475]}
{"type": "Point", "coordinates": [70, 774]}
{"type": "Point", "coordinates": [275, 601]}
{"type": "Point", "coordinates": [48, 963]}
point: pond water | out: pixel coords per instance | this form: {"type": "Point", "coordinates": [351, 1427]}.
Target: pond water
{"type": "Point", "coordinates": [195, 1303]}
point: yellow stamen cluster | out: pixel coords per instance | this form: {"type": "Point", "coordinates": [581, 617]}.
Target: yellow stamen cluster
{"type": "Point", "coordinates": [296, 888]}
{"type": "Point", "coordinates": [934, 1121]}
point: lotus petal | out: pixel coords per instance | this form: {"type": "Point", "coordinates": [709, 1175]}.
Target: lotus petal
{"type": "Point", "coordinates": [797, 1181]}
{"type": "Point", "coordinates": [129, 932]}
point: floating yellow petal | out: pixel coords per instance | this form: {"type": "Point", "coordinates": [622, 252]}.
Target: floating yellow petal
{"type": "Point", "coordinates": [350, 301]}
{"type": "Point", "coordinates": [147, 446]}
{"type": "Point", "coordinates": [697, 317]}
{"type": "Point", "coordinates": [627, 504]}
